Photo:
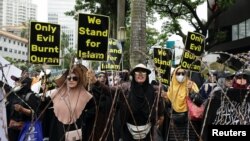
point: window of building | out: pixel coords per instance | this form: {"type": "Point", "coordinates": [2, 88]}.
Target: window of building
{"type": "Point", "coordinates": [5, 49]}
{"type": "Point", "coordinates": [248, 27]}
{"type": "Point", "coordinates": [235, 32]}
{"type": "Point", "coordinates": [19, 52]}
{"type": "Point", "coordinates": [15, 51]}
{"type": "Point", "coordinates": [10, 50]}
{"type": "Point", "coordinates": [1, 48]}
{"type": "Point", "coordinates": [242, 30]}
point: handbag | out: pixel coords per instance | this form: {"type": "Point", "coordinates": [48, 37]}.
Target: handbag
{"type": "Point", "coordinates": [196, 98]}
{"type": "Point", "coordinates": [195, 112]}
{"type": "Point", "coordinates": [139, 132]}
{"type": "Point", "coordinates": [31, 131]}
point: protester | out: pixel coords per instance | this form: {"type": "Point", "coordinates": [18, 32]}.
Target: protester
{"type": "Point", "coordinates": [73, 113]}
{"type": "Point", "coordinates": [160, 90]}
{"type": "Point", "coordinates": [209, 85]}
{"type": "Point", "coordinates": [180, 87]}
{"type": "Point", "coordinates": [138, 109]}
{"type": "Point", "coordinates": [219, 111]}
{"type": "Point", "coordinates": [22, 104]}
{"type": "Point", "coordinates": [107, 120]}
{"type": "Point", "coordinates": [137, 104]}
{"type": "Point", "coordinates": [241, 80]}
{"type": "Point", "coordinates": [103, 77]}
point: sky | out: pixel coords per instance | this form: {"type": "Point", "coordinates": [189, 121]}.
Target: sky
{"type": "Point", "coordinates": [201, 11]}
{"type": "Point", "coordinates": [43, 17]}
{"type": "Point", "coordinates": [41, 10]}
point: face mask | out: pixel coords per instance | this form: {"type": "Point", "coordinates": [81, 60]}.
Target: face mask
{"type": "Point", "coordinates": [180, 78]}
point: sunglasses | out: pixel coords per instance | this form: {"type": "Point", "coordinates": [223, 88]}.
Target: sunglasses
{"type": "Point", "coordinates": [180, 73]}
{"type": "Point", "coordinates": [74, 78]}
{"type": "Point", "coordinates": [140, 72]}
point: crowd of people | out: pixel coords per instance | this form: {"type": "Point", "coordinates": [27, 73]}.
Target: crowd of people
{"type": "Point", "coordinates": [101, 106]}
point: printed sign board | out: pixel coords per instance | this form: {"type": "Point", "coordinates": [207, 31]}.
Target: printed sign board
{"type": "Point", "coordinates": [114, 57]}
{"type": "Point", "coordinates": [93, 33]}
{"type": "Point", "coordinates": [194, 47]}
{"type": "Point", "coordinates": [44, 43]}
{"type": "Point", "coordinates": [163, 63]}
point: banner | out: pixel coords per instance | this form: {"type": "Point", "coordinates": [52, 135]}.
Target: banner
{"type": "Point", "coordinates": [44, 43]}
{"type": "Point", "coordinates": [194, 47]}
{"type": "Point", "coordinates": [114, 57]}
{"type": "Point", "coordinates": [228, 112]}
{"type": "Point", "coordinates": [93, 33]}
{"type": "Point", "coordinates": [233, 108]}
{"type": "Point", "coordinates": [7, 70]}
{"type": "Point", "coordinates": [163, 63]}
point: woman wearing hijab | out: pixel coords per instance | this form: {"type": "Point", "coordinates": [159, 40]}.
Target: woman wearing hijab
{"type": "Point", "coordinates": [139, 107]}
{"type": "Point", "coordinates": [179, 89]}
{"type": "Point", "coordinates": [136, 104]}
{"type": "Point", "coordinates": [103, 77]}
{"type": "Point", "coordinates": [72, 116]}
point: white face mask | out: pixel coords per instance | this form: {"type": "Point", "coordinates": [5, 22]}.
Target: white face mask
{"type": "Point", "coordinates": [180, 78]}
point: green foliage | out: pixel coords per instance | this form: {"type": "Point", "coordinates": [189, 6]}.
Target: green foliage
{"type": "Point", "coordinates": [186, 10]}
{"type": "Point", "coordinates": [64, 45]}
{"type": "Point", "coordinates": [104, 7]}
{"type": "Point", "coordinates": [220, 36]}
{"type": "Point", "coordinates": [225, 4]}
{"type": "Point", "coordinates": [176, 10]}
{"type": "Point", "coordinates": [69, 56]}
{"type": "Point", "coordinates": [151, 36]}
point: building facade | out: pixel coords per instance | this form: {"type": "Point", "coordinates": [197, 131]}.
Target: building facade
{"type": "Point", "coordinates": [231, 30]}
{"type": "Point", "coordinates": [13, 46]}
{"type": "Point", "coordinates": [16, 12]}
{"type": "Point", "coordinates": [56, 15]}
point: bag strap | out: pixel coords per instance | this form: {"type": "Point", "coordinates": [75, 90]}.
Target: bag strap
{"type": "Point", "coordinates": [206, 87]}
{"type": "Point", "coordinates": [27, 96]}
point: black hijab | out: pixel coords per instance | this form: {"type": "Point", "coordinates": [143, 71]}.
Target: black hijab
{"type": "Point", "coordinates": [141, 97]}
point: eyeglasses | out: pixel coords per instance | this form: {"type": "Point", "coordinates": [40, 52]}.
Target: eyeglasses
{"type": "Point", "coordinates": [140, 72]}
{"type": "Point", "coordinates": [180, 73]}
{"type": "Point", "coordinates": [74, 78]}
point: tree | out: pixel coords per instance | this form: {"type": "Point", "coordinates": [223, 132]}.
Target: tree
{"type": "Point", "coordinates": [186, 10]}
{"type": "Point", "coordinates": [104, 7]}
{"type": "Point", "coordinates": [70, 54]}
{"type": "Point", "coordinates": [138, 32]}
{"type": "Point", "coordinates": [64, 45]}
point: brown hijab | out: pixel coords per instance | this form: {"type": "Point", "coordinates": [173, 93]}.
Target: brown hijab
{"type": "Point", "coordinates": [68, 103]}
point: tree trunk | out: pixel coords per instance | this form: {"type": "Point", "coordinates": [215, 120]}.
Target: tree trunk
{"type": "Point", "coordinates": [138, 32]}
{"type": "Point", "coordinates": [120, 14]}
